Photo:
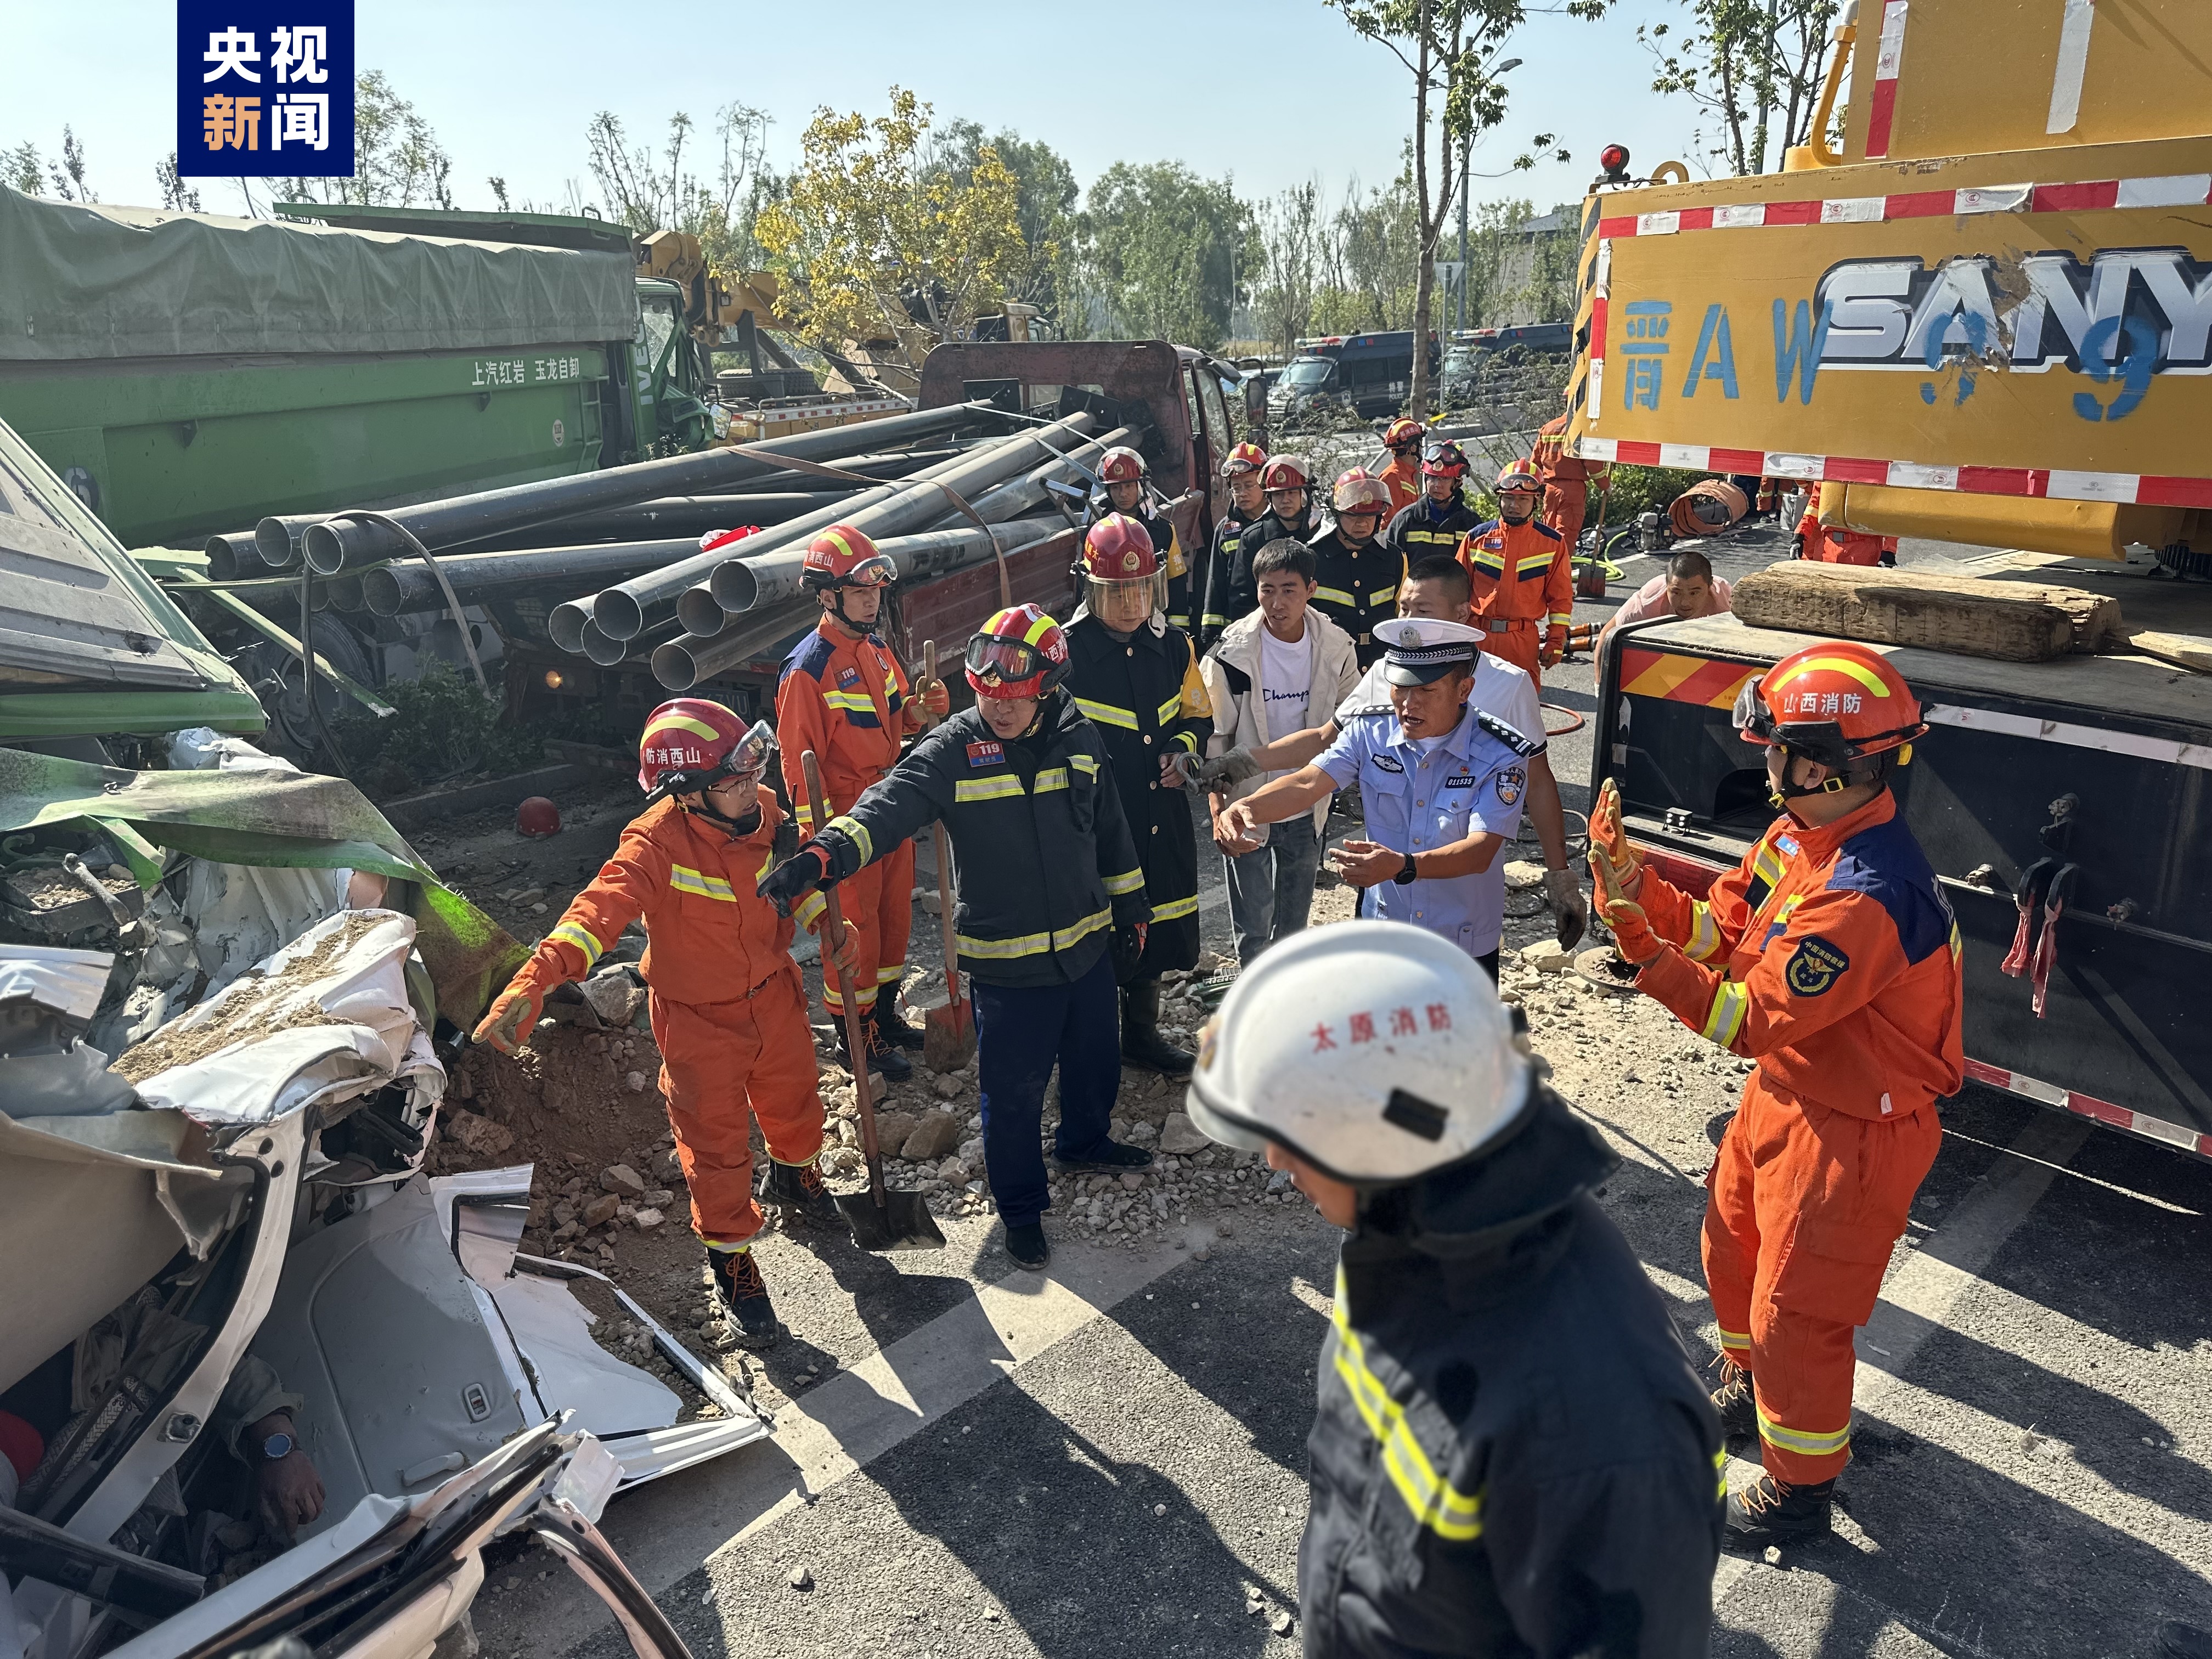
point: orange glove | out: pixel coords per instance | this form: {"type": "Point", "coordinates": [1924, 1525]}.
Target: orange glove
{"type": "Point", "coordinates": [1555, 646]}
{"type": "Point", "coordinates": [844, 955]}
{"type": "Point", "coordinates": [1609, 845]}
{"type": "Point", "coordinates": [1632, 937]}
{"type": "Point", "coordinates": [936, 700]}
{"type": "Point", "coordinates": [514, 1017]}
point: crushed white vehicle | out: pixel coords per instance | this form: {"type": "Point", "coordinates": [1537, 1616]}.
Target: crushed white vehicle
{"type": "Point", "coordinates": [220, 981]}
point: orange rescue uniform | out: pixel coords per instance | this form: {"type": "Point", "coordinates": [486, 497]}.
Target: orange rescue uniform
{"type": "Point", "coordinates": [1834, 544]}
{"type": "Point", "coordinates": [1524, 589]}
{"type": "Point", "coordinates": [1829, 956]}
{"type": "Point", "coordinates": [728, 1004]}
{"type": "Point", "coordinates": [1403, 474]}
{"type": "Point", "coordinates": [848, 700]}
{"type": "Point", "coordinates": [1567, 479]}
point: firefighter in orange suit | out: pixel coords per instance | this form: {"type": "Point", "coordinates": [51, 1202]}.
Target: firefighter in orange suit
{"type": "Point", "coordinates": [1524, 585]}
{"type": "Point", "coordinates": [844, 696]}
{"type": "Point", "coordinates": [1567, 479]}
{"type": "Point", "coordinates": [1830, 958]}
{"type": "Point", "coordinates": [728, 1004]}
{"type": "Point", "coordinates": [1402, 473]}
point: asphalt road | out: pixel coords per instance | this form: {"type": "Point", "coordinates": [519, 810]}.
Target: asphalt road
{"type": "Point", "coordinates": [1109, 1460]}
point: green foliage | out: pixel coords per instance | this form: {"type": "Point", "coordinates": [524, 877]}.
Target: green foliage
{"type": "Point", "coordinates": [1643, 490]}
{"type": "Point", "coordinates": [440, 724]}
{"type": "Point", "coordinates": [1045, 198]}
{"type": "Point", "coordinates": [1753, 67]}
{"type": "Point", "coordinates": [667, 191]}
{"type": "Point", "coordinates": [1167, 249]}
{"type": "Point", "coordinates": [397, 160]}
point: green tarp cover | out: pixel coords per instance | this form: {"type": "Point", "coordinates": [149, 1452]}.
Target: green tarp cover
{"type": "Point", "coordinates": [79, 283]}
{"type": "Point", "coordinates": [299, 820]}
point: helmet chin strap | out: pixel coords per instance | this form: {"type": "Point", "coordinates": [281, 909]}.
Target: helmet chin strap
{"type": "Point", "coordinates": [736, 828]}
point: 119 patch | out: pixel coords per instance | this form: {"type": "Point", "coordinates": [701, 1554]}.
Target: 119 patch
{"type": "Point", "coordinates": [1814, 968]}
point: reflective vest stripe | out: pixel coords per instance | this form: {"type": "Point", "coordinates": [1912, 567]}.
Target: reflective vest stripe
{"type": "Point", "coordinates": [861, 839]}
{"type": "Point", "coordinates": [685, 879]}
{"type": "Point", "coordinates": [1053, 777]}
{"type": "Point", "coordinates": [1030, 944]}
{"type": "Point", "coordinates": [1801, 1440]}
{"type": "Point", "coordinates": [1334, 595]}
{"type": "Point", "coordinates": [996, 789]}
{"type": "Point", "coordinates": [1435, 1502]}
{"type": "Point", "coordinates": [570, 932]}
{"type": "Point", "coordinates": [1705, 934]}
{"type": "Point", "coordinates": [1084, 763]}
{"type": "Point", "coordinates": [1107, 713]}
{"type": "Point", "coordinates": [1533, 564]}
{"type": "Point", "coordinates": [1170, 709]}
{"type": "Point", "coordinates": [1735, 1339]}
{"type": "Point", "coordinates": [1725, 1018]}
{"type": "Point", "coordinates": [1127, 883]}
{"type": "Point", "coordinates": [1174, 907]}
{"type": "Point", "coordinates": [1559, 618]}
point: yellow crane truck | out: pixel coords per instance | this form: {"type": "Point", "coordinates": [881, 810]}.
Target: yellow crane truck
{"type": "Point", "coordinates": [1977, 307]}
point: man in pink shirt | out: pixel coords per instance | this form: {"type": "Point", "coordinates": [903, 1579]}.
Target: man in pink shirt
{"type": "Point", "coordinates": [1686, 589]}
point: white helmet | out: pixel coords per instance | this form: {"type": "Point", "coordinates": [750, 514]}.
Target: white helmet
{"type": "Point", "coordinates": [1376, 1051]}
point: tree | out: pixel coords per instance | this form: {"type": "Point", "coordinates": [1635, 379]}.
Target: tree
{"type": "Point", "coordinates": [69, 171]}
{"type": "Point", "coordinates": [1752, 66]}
{"type": "Point", "coordinates": [177, 195]}
{"type": "Point", "coordinates": [1452, 49]}
{"type": "Point", "coordinates": [1292, 230]}
{"type": "Point", "coordinates": [1374, 258]}
{"type": "Point", "coordinates": [26, 170]}
{"type": "Point", "coordinates": [874, 243]}
{"type": "Point", "coordinates": [22, 168]}
{"type": "Point", "coordinates": [1046, 195]}
{"type": "Point", "coordinates": [397, 160]}
{"type": "Point", "coordinates": [1166, 246]}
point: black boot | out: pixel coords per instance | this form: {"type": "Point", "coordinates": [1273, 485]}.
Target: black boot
{"type": "Point", "coordinates": [738, 1281]}
{"type": "Point", "coordinates": [797, 1190]}
{"type": "Point", "coordinates": [896, 1032]}
{"type": "Point", "coordinates": [1027, 1246]}
{"type": "Point", "coordinates": [1106, 1155]}
{"type": "Point", "coordinates": [1734, 1402]}
{"type": "Point", "coordinates": [1142, 1045]}
{"type": "Point", "coordinates": [883, 1060]}
{"type": "Point", "coordinates": [1769, 1512]}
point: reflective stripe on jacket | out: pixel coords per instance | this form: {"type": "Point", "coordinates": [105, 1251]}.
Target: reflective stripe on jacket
{"type": "Point", "coordinates": [846, 700]}
{"type": "Point", "coordinates": [1520, 574]}
{"type": "Point", "coordinates": [1357, 587]}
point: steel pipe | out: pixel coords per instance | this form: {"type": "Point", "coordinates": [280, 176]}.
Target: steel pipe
{"type": "Point", "coordinates": [233, 557]}
{"type": "Point", "coordinates": [329, 547]}
{"type": "Point", "coordinates": [389, 590]}
{"type": "Point", "coordinates": [671, 515]}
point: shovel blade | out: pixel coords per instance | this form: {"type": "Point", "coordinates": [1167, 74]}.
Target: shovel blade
{"type": "Point", "coordinates": [902, 1222]}
{"type": "Point", "coordinates": [948, 1037]}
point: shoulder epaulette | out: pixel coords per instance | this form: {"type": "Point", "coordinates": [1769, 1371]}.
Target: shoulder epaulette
{"type": "Point", "coordinates": [810, 655]}
{"type": "Point", "coordinates": [1511, 736]}
{"type": "Point", "coordinates": [1548, 531]}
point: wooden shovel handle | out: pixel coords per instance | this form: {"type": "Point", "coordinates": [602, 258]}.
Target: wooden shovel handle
{"type": "Point", "coordinates": [856, 1044]}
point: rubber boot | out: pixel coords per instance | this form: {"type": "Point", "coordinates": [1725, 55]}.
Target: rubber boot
{"type": "Point", "coordinates": [1733, 1399]}
{"type": "Point", "coordinates": [1028, 1245]}
{"type": "Point", "coordinates": [797, 1190]}
{"type": "Point", "coordinates": [1142, 1045]}
{"type": "Point", "coordinates": [738, 1281]}
{"type": "Point", "coordinates": [1769, 1512]}
{"type": "Point", "coordinates": [883, 1060]}
{"type": "Point", "coordinates": [896, 1033]}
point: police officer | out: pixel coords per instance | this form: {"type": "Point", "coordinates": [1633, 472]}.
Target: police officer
{"type": "Point", "coordinates": [1125, 488]}
{"type": "Point", "coordinates": [1830, 958]}
{"type": "Point", "coordinates": [1436, 522]}
{"type": "Point", "coordinates": [1228, 589]}
{"type": "Point", "coordinates": [1358, 576]}
{"type": "Point", "coordinates": [1443, 782]}
{"type": "Point", "coordinates": [1052, 902]}
{"type": "Point", "coordinates": [1511, 1454]}
{"type": "Point", "coordinates": [1248, 499]}
{"type": "Point", "coordinates": [1135, 677]}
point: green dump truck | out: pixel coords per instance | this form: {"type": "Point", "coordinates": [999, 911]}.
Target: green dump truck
{"type": "Point", "coordinates": [187, 374]}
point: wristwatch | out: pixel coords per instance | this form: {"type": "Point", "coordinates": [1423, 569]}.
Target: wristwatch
{"type": "Point", "coordinates": [277, 1446]}
{"type": "Point", "coordinates": [1405, 877]}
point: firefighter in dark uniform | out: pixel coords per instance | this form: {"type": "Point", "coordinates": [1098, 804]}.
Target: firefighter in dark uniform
{"type": "Point", "coordinates": [1356, 577]}
{"type": "Point", "coordinates": [1230, 592]}
{"type": "Point", "coordinates": [1125, 488]}
{"type": "Point", "coordinates": [1248, 499]}
{"type": "Point", "coordinates": [1436, 522]}
{"type": "Point", "coordinates": [1051, 909]}
{"type": "Point", "coordinates": [1511, 1455]}
{"type": "Point", "coordinates": [1136, 678]}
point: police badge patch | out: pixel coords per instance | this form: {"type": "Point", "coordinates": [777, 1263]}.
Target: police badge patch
{"type": "Point", "coordinates": [1511, 783]}
{"type": "Point", "coordinates": [1814, 967]}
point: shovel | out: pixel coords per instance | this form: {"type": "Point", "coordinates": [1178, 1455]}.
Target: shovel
{"type": "Point", "coordinates": [880, 1219]}
{"type": "Point", "coordinates": [948, 1034]}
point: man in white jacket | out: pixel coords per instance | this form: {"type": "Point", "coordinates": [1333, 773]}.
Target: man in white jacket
{"type": "Point", "coordinates": [1282, 668]}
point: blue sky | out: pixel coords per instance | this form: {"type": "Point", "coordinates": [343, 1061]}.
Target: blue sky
{"type": "Point", "coordinates": [1272, 91]}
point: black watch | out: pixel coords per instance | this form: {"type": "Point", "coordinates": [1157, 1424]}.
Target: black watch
{"type": "Point", "coordinates": [1407, 877]}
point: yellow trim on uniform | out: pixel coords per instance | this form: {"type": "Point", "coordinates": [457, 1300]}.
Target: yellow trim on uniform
{"type": "Point", "coordinates": [1436, 1502]}
{"type": "Point", "coordinates": [1560, 618]}
{"type": "Point", "coordinates": [1532, 564]}
{"type": "Point", "coordinates": [1030, 944]}
{"type": "Point", "coordinates": [1958, 945]}
{"type": "Point", "coordinates": [1108, 714]}
{"type": "Point", "coordinates": [1087, 763]}
{"type": "Point", "coordinates": [1492, 563]}
{"type": "Point", "coordinates": [850, 702]}
{"type": "Point", "coordinates": [685, 880]}
{"type": "Point", "coordinates": [1766, 865]}
{"type": "Point", "coordinates": [680, 723]}
{"type": "Point", "coordinates": [1127, 883]}
{"type": "Point", "coordinates": [1720, 1474]}
{"type": "Point", "coordinates": [1802, 1441]}
{"type": "Point", "coordinates": [1705, 932]}
{"type": "Point", "coordinates": [571, 933]}
{"type": "Point", "coordinates": [1735, 1338]}
{"type": "Point", "coordinates": [861, 839]}
{"type": "Point", "coordinates": [1334, 595]}
{"type": "Point", "coordinates": [1052, 777]}
{"type": "Point", "coordinates": [1724, 1020]}
{"type": "Point", "coordinates": [808, 908]}
{"type": "Point", "coordinates": [890, 973]}
{"type": "Point", "coordinates": [1168, 710]}
{"type": "Point", "coordinates": [804, 812]}
{"type": "Point", "coordinates": [1174, 907]}
{"type": "Point", "coordinates": [996, 789]}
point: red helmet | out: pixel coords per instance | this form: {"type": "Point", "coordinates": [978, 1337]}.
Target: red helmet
{"type": "Point", "coordinates": [1837, 703]}
{"type": "Point", "coordinates": [1119, 548]}
{"type": "Point", "coordinates": [1402, 431]}
{"type": "Point", "coordinates": [692, 735]}
{"type": "Point", "coordinates": [1360, 491]}
{"type": "Point", "coordinates": [841, 556]}
{"type": "Point", "coordinates": [1121, 464]}
{"type": "Point", "coordinates": [1286, 472]}
{"type": "Point", "coordinates": [1446, 460]}
{"type": "Point", "coordinates": [1245, 458]}
{"type": "Point", "coordinates": [1518, 478]}
{"type": "Point", "coordinates": [1020, 653]}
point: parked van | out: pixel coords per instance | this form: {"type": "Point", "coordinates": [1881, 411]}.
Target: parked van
{"type": "Point", "coordinates": [1364, 374]}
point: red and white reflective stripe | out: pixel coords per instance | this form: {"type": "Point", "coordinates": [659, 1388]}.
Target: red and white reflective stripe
{"type": "Point", "coordinates": [2139, 488]}
{"type": "Point", "coordinates": [2176, 190]}
{"type": "Point", "coordinates": [1888, 53]}
{"type": "Point", "coordinates": [1600, 294]}
{"type": "Point", "coordinates": [2088, 1106]}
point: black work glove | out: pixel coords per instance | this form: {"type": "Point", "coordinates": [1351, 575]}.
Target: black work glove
{"type": "Point", "coordinates": [1796, 547]}
{"type": "Point", "coordinates": [1889, 561]}
{"type": "Point", "coordinates": [805, 871]}
{"type": "Point", "coordinates": [1128, 950]}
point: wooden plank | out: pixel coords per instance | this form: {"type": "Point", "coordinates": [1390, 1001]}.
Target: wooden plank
{"type": "Point", "coordinates": [2012, 621]}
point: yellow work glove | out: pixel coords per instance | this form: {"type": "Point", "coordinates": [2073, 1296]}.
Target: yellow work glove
{"type": "Point", "coordinates": [1609, 845]}
{"type": "Point", "coordinates": [514, 1017]}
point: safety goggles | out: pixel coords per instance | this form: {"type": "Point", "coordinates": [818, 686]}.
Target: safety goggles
{"type": "Point", "coordinates": [880, 571]}
{"type": "Point", "coordinates": [1821, 741]}
{"type": "Point", "coordinates": [999, 660]}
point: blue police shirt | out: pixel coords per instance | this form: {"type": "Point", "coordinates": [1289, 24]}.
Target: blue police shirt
{"type": "Point", "coordinates": [1470, 782]}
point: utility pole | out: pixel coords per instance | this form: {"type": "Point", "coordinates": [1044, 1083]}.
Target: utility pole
{"type": "Point", "coordinates": [1465, 161]}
